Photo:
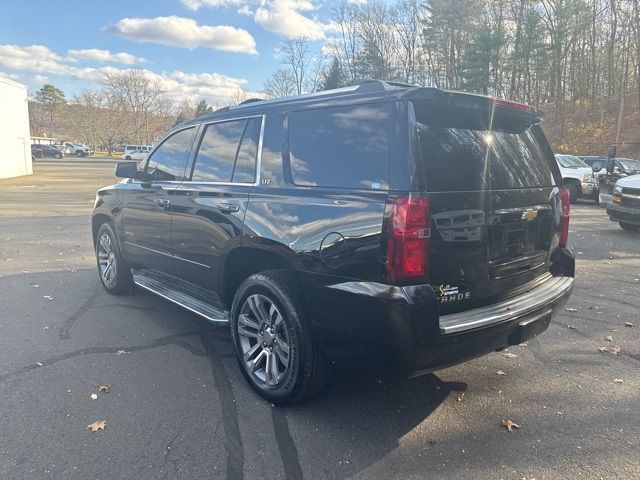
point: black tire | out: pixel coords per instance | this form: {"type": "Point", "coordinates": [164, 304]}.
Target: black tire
{"type": "Point", "coordinates": [630, 227]}
{"type": "Point", "coordinates": [127, 157]}
{"type": "Point", "coordinates": [574, 192]}
{"type": "Point", "coordinates": [307, 370]}
{"type": "Point", "coordinates": [120, 280]}
{"type": "Point", "coordinates": [58, 156]}
{"type": "Point", "coordinates": [80, 153]}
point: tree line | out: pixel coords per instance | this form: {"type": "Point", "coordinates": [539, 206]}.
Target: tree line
{"type": "Point", "coordinates": [578, 59]}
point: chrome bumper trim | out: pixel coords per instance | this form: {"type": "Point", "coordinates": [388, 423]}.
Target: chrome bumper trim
{"type": "Point", "coordinates": [528, 302]}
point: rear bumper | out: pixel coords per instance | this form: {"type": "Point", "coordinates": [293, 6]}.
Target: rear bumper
{"type": "Point", "coordinates": [399, 331]}
{"type": "Point", "coordinates": [620, 213]}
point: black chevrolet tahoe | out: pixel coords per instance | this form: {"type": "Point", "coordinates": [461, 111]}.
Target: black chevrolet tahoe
{"type": "Point", "coordinates": [384, 226]}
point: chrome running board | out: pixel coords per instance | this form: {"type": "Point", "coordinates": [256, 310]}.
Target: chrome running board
{"type": "Point", "coordinates": [154, 284]}
{"type": "Point", "coordinates": [545, 294]}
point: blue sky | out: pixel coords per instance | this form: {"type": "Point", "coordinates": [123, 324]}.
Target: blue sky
{"type": "Point", "coordinates": [195, 48]}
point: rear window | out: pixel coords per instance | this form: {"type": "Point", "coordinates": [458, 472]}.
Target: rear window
{"type": "Point", "coordinates": [344, 147]}
{"type": "Point", "coordinates": [459, 157]}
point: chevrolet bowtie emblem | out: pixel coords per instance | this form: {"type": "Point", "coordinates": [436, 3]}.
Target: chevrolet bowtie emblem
{"type": "Point", "coordinates": [529, 215]}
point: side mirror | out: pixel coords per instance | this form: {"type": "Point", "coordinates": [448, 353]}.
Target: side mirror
{"type": "Point", "coordinates": [127, 170]}
{"type": "Point", "coordinates": [597, 166]}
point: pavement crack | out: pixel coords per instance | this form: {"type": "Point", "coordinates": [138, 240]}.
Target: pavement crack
{"type": "Point", "coordinates": [162, 341]}
{"type": "Point", "coordinates": [233, 441]}
{"type": "Point", "coordinates": [64, 332]}
{"type": "Point", "coordinates": [286, 445]}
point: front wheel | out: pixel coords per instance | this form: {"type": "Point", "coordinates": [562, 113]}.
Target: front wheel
{"type": "Point", "coordinates": [630, 227]}
{"type": "Point", "coordinates": [272, 340]}
{"type": "Point", "coordinates": [115, 274]}
{"type": "Point", "coordinates": [127, 157]}
{"type": "Point", "coordinates": [58, 156]}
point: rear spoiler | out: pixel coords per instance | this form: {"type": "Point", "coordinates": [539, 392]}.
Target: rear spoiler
{"type": "Point", "coordinates": [471, 101]}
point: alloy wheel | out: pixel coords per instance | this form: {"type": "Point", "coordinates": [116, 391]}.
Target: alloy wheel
{"type": "Point", "coordinates": [264, 341]}
{"type": "Point", "coordinates": [107, 260]}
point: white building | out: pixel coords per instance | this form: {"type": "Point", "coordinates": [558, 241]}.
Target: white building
{"type": "Point", "coordinates": [15, 139]}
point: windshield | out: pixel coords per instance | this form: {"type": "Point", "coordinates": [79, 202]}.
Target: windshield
{"type": "Point", "coordinates": [570, 161]}
{"type": "Point", "coordinates": [629, 164]}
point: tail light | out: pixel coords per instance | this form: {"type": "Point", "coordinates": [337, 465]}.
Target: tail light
{"type": "Point", "coordinates": [564, 217]}
{"type": "Point", "coordinates": [408, 239]}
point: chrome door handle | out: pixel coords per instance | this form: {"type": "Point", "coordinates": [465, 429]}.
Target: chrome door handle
{"type": "Point", "coordinates": [228, 207]}
{"type": "Point", "coordinates": [162, 202]}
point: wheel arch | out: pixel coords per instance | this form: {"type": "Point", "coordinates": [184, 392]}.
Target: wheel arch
{"type": "Point", "coordinates": [96, 221]}
{"type": "Point", "coordinates": [242, 262]}
{"type": "Point", "coordinates": [573, 181]}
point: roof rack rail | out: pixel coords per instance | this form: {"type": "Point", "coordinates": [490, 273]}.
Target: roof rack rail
{"type": "Point", "coordinates": [380, 84]}
{"type": "Point", "coordinates": [251, 100]}
{"type": "Point", "coordinates": [220, 110]}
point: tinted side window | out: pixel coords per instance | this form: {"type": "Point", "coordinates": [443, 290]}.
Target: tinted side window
{"type": "Point", "coordinates": [345, 147]}
{"type": "Point", "coordinates": [168, 162]}
{"type": "Point", "coordinates": [217, 152]}
{"type": "Point", "coordinates": [245, 168]}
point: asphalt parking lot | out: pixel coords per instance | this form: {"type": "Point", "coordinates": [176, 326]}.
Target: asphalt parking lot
{"type": "Point", "coordinates": [179, 407]}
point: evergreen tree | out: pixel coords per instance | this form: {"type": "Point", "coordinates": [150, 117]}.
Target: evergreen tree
{"type": "Point", "coordinates": [333, 78]}
{"type": "Point", "coordinates": [51, 98]}
{"type": "Point", "coordinates": [203, 108]}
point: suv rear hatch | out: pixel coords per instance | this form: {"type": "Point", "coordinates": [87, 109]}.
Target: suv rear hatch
{"type": "Point", "coordinates": [495, 206]}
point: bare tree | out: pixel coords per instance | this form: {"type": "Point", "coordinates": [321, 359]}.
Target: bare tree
{"type": "Point", "coordinates": [142, 94]}
{"type": "Point", "coordinates": [280, 84]}
{"type": "Point", "coordinates": [295, 55]}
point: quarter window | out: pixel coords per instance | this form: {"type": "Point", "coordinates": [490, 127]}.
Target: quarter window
{"type": "Point", "coordinates": [346, 147]}
{"type": "Point", "coordinates": [169, 160]}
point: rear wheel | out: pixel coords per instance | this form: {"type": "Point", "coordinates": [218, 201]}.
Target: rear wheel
{"type": "Point", "coordinates": [630, 227]}
{"type": "Point", "coordinates": [115, 274]}
{"type": "Point", "coordinates": [127, 157]}
{"type": "Point", "coordinates": [58, 156]}
{"type": "Point", "coordinates": [272, 341]}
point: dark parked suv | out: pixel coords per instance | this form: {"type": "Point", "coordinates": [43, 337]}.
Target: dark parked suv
{"type": "Point", "coordinates": [384, 226]}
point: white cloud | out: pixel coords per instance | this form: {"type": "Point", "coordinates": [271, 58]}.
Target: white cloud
{"type": "Point", "coordinates": [35, 58]}
{"type": "Point", "coordinates": [215, 87]}
{"type": "Point", "coordinates": [197, 4]}
{"type": "Point", "coordinates": [185, 32]}
{"type": "Point", "coordinates": [284, 18]}
{"type": "Point", "coordinates": [104, 56]}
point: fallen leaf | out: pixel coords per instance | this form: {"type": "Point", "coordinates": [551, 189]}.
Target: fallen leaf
{"type": "Point", "coordinates": [603, 349]}
{"type": "Point", "coordinates": [500, 372]}
{"type": "Point", "coordinates": [97, 425]}
{"type": "Point", "coordinates": [628, 324]}
{"type": "Point", "coordinates": [94, 396]}
{"type": "Point", "coordinates": [48, 297]}
{"type": "Point", "coordinates": [105, 388]}
{"type": "Point", "coordinates": [460, 398]}
{"type": "Point", "coordinates": [569, 309]}
{"type": "Point", "coordinates": [523, 344]}
{"type": "Point", "coordinates": [508, 424]}
{"type": "Point", "coordinates": [509, 355]}
{"type": "Point", "coordinates": [120, 352]}
{"type": "Point", "coordinates": [615, 350]}
{"type": "Point", "coordinates": [609, 338]}
{"type": "Point", "coordinates": [618, 380]}
{"type": "Point", "coordinates": [572, 327]}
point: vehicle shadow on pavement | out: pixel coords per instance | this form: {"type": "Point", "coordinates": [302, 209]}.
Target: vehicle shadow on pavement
{"type": "Point", "coordinates": [381, 411]}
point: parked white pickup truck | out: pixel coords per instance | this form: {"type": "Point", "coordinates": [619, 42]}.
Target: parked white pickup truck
{"type": "Point", "coordinates": [625, 203]}
{"type": "Point", "coordinates": [78, 149]}
{"type": "Point", "coordinates": [578, 177]}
